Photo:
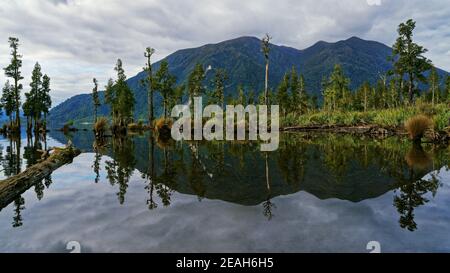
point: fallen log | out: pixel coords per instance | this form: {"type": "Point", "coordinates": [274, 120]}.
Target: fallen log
{"type": "Point", "coordinates": [357, 129]}
{"type": "Point", "coordinates": [14, 186]}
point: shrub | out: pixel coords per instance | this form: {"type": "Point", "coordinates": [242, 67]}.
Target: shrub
{"type": "Point", "coordinates": [417, 126]}
{"type": "Point", "coordinates": [101, 126]}
{"type": "Point", "coordinates": [161, 122]}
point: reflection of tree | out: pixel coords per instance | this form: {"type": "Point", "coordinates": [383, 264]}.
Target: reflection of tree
{"type": "Point", "coordinates": [99, 146]}
{"type": "Point", "coordinates": [48, 181]}
{"type": "Point", "coordinates": [267, 208]}
{"type": "Point", "coordinates": [12, 161]}
{"type": "Point", "coordinates": [150, 175]}
{"type": "Point", "coordinates": [39, 189]}
{"type": "Point", "coordinates": [292, 162]}
{"type": "Point", "coordinates": [413, 187]}
{"type": "Point", "coordinates": [19, 206]}
{"type": "Point", "coordinates": [167, 179]}
{"type": "Point", "coordinates": [120, 169]}
{"type": "Point", "coordinates": [196, 172]}
{"type": "Point", "coordinates": [412, 195]}
{"type": "Point", "coordinates": [268, 205]}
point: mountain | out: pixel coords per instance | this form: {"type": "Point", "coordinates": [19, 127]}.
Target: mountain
{"type": "Point", "coordinates": [242, 59]}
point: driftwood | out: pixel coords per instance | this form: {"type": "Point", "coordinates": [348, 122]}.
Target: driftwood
{"type": "Point", "coordinates": [14, 186]}
{"type": "Point", "coordinates": [358, 129]}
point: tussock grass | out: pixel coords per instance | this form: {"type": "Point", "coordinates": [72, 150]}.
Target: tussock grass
{"type": "Point", "coordinates": [417, 126]}
{"type": "Point", "coordinates": [101, 126]}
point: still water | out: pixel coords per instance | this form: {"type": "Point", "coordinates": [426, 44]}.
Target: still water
{"type": "Point", "coordinates": [316, 193]}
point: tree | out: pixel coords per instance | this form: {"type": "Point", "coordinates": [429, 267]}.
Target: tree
{"type": "Point", "coordinates": [217, 95]}
{"type": "Point", "coordinates": [13, 71]}
{"type": "Point", "coordinates": [195, 82]}
{"type": "Point", "coordinates": [241, 96]}
{"type": "Point", "coordinates": [299, 96]}
{"type": "Point", "coordinates": [265, 48]}
{"type": "Point", "coordinates": [95, 98]}
{"type": "Point", "coordinates": [33, 105]}
{"type": "Point", "coordinates": [337, 93]}
{"type": "Point", "coordinates": [362, 97]}
{"type": "Point", "coordinates": [447, 89]}
{"type": "Point", "coordinates": [164, 83]}
{"type": "Point", "coordinates": [46, 99]}
{"type": "Point", "coordinates": [125, 97]}
{"type": "Point", "coordinates": [7, 101]}
{"type": "Point", "coordinates": [148, 81]}
{"type": "Point", "coordinates": [120, 97]}
{"type": "Point", "coordinates": [433, 82]}
{"type": "Point", "coordinates": [283, 94]}
{"type": "Point", "coordinates": [408, 57]}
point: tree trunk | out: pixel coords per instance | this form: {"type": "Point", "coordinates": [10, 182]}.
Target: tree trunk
{"type": "Point", "coordinates": [14, 186]}
{"type": "Point", "coordinates": [411, 89]}
{"type": "Point", "coordinates": [266, 86]}
{"type": "Point", "coordinates": [150, 94]}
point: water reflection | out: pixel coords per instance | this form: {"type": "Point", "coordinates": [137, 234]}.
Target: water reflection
{"type": "Point", "coordinates": [326, 166]}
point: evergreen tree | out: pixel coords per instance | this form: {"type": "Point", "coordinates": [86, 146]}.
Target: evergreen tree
{"type": "Point", "coordinates": [433, 82]}
{"type": "Point", "coordinates": [196, 82]}
{"type": "Point", "coordinates": [125, 97]}
{"type": "Point", "coordinates": [241, 96]}
{"type": "Point", "coordinates": [120, 97]}
{"type": "Point", "coordinates": [164, 83]}
{"type": "Point", "coordinates": [283, 95]}
{"type": "Point", "coordinates": [447, 89]}
{"type": "Point", "coordinates": [217, 95]}
{"type": "Point", "coordinates": [110, 98]}
{"type": "Point", "coordinates": [7, 101]}
{"type": "Point", "coordinates": [337, 94]}
{"type": "Point", "coordinates": [13, 71]}
{"type": "Point", "coordinates": [95, 98]}
{"type": "Point", "coordinates": [33, 105]}
{"type": "Point", "coordinates": [265, 48]}
{"type": "Point", "coordinates": [148, 81]}
{"type": "Point", "coordinates": [408, 57]}
{"type": "Point", "coordinates": [46, 99]}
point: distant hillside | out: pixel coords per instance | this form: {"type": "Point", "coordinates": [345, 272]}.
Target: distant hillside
{"type": "Point", "coordinates": [242, 59]}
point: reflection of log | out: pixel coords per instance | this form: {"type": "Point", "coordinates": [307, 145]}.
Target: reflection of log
{"type": "Point", "coordinates": [361, 129]}
{"type": "Point", "coordinates": [12, 187]}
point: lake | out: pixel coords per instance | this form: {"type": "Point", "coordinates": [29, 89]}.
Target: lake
{"type": "Point", "coordinates": [316, 193]}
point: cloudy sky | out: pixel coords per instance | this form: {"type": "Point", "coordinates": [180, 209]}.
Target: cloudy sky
{"type": "Point", "coordinates": [75, 40]}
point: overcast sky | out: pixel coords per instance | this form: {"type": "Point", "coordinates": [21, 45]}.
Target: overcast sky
{"type": "Point", "coordinates": [75, 40]}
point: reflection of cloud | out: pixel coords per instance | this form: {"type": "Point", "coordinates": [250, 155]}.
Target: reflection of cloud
{"type": "Point", "coordinates": [76, 40]}
{"type": "Point", "coordinates": [90, 214]}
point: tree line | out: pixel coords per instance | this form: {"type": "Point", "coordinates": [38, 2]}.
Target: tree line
{"type": "Point", "coordinates": [398, 87]}
{"type": "Point", "coordinates": [38, 101]}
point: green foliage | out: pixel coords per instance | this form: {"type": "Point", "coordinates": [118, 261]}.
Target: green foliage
{"type": "Point", "coordinates": [164, 83]}
{"type": "Point", "coordinates": [408, 58]}
{"type": "Point", "coordinates": [95, 98]}
{"type": "Point", "coordinates": [393, 117]}
{"type": "Point", "coordinates": [217, 94]}
{"type": "Point", "coordinates": [336, 93]}
{"type": "Point", "coordinates": [7, 101]}
{"type": "Point", "coordinates": [13, 71]}
{"type": "Point", "coordinates": [120, 97]}
{"type": "Point", "coordinates": [38, 101]}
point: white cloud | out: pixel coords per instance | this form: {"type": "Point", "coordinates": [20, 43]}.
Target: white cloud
{"type": "Point", "coordinates": [75, 40]}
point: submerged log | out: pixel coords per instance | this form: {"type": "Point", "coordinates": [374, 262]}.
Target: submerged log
{"type": "Point", "coordinates": [357, 129]}
{"type": "Point", "coordinates": [14, 186]}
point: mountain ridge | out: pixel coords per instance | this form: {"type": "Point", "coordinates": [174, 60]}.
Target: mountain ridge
{"type": "Point", "coordinates": [244, 63]}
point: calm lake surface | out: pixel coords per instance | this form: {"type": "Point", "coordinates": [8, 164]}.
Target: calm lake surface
{"type": "Point", "coordinates": [316, 193]}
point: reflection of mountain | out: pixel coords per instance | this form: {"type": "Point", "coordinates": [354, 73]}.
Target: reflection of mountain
{"type": "Point", "coordinates": [343, 167]}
